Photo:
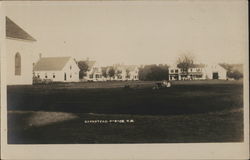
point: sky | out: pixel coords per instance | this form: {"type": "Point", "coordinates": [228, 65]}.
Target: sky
{"type": "Point", "coordinates": [141, 32]}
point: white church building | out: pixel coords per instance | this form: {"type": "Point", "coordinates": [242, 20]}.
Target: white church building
{"type": "Point", "coordinates": [19, 50]}
{"type": "Point", "coordinates": [57, 69]}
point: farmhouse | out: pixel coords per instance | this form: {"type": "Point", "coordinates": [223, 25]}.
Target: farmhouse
{"type": "Point", "coordinates": [58, 69]}
{"type": "Point", "coordinates": [94, 72]}
{"type": "Point", "coordinates": [198, 72]}
{"type": "Point", "coordinates": [126, 72]}
{"type": "Point", "coordinates": [19, 50]}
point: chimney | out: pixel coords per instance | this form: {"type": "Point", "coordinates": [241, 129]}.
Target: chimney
{"type": "Point", "coordinates": [40, 55]}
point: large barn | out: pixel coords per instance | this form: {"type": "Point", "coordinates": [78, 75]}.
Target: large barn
{"type": "Point", "coordinates": [19, 50]}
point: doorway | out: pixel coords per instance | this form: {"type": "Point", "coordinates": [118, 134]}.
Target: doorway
{"type": "Point", "coordinates": [215, 75]}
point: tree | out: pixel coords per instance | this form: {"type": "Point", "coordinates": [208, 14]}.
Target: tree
{"type": "Point", "coordinates": [104, 72]}
{"type": "Point", "coordinates": [185, 61]}
{"type": "Point", "coordinates": [83, 68]}
{"type": "Point", "coordinates": [233, 70]}
{"type": "Point", "coordinates": [118, 74]}
{"type": "Point", "coordinates": [111, 72]}
{"type": "Point", "coordinates": [153, 72]}
{"type": "Point", "coordinates": [127, 73]}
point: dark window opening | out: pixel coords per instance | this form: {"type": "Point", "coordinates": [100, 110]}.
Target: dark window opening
{"type": "Point", "coordinates": [17, 64]}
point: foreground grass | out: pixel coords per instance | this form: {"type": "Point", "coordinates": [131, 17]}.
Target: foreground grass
{"type": "Point", "coordinates": [185, 98]}
{"type": "Point", "coordinates": [189, 111]}
{"type": "Point", "coordinates": [224, 126]}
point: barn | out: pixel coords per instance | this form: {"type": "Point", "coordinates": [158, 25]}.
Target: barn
{"type": "Point", "coordinates": [57, 69]}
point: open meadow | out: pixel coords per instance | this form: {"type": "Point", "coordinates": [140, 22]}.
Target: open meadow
{"type": "Point", "coordinates": [189, 111]}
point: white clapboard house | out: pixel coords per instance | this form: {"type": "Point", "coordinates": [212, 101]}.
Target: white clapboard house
{"type": "Point", "coordinates": [19, 51]}
{"type": "Point", "coordinates": [94, 72]}
{"type": "Point", "coordinates": [126, 72]}
{"type": "Point", "coordinates": [198, 72]}
{"type": "Point", "coordinates": [57, 69]}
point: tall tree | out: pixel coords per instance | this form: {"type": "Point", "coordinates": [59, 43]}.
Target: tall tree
{"type": "Point", "coordinates": [127, 73]}
{"type": "Point", "coordinates": [104, 72]}
{"type": "Point", "coordinates": [83, 68]}
{"type": "Point", "coordinates": [185, 61]}
{"type": "Point", "coordinates": [111, 72]}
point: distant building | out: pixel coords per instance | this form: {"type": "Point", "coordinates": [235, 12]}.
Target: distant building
{"type": "Point", "coordinates": [19, 50]}
{"type": "Point", "coordinates": [198, 72]}
{"type": "Point", "coordinates": [126, 72]}
{"type": "Point", "coordinates": [57, 69]}
{"type": "Point", "coordinates": [216, 72]}
{"type": "Point", "coordinates": [94, 72]}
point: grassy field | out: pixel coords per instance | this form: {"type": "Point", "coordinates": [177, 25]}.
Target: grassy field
{"type": "Point", "coordinates": [200, 111]}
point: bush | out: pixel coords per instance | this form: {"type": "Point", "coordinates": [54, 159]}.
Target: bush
{"type": "Point", "coordinates": [37, 80]}
{"type": "Point", "coordinates": [235, 74]}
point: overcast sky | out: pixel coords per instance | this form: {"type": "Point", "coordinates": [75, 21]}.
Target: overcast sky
{"type": "Point", "coordinates": [136, 32]}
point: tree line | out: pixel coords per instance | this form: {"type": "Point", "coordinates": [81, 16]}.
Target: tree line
{"type": "Point", "coordinates": [160, 72]}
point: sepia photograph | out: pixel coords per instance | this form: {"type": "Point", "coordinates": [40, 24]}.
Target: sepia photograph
{"type": "Point", "coordinates": [124, 72]}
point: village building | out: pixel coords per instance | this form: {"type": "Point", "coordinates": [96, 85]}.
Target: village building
{"type": "Point", "coordinates": [57, 69]}
{"type": "Point", "coordinates": [126, 72]}
{"type": "Point", "coordinates": [216, 71]}
{"type": "Point", "coordinates": [19, 51]}
{"type": "Point", "coordinates": [198, 72]}
{"type": "Point", "coordinates": [94, 72]}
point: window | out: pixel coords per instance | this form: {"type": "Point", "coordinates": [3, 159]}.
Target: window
{"type": "Point", "coordinates": [70, 76]}
{"type": "Point", "coordinates": [70, 67]}
{"type": "Point", "coordinates": [191, 69]}
{"type": "Point", "coordinates": [199, 76]}
{"type": "Point", "coordinates": [46, 75]}
{"type": "Point", "coordinates": [38, 76]}
{"type": "Point", "coordinates": [54, 76]}
{"type": "Point", "coordinates": [17, 64]}
{"type": "Point", "coordinates": [176, 71]}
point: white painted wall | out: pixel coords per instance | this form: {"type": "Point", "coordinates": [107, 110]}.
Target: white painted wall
{"type": "Point", "coordinates": [72, 72]}
{"type": "Point", "coordinates": [72, 75]}
{"type": "Point", "coordinates": [210, 69]}
{"type": "Point", "coordinates": [207, 72]}
{"type": "Point", "coordinates": [58, 75]}
{"type": "Point", "coordinates": [25, 49]}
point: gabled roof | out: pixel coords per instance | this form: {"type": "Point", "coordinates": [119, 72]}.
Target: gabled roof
{"type": "Point", "coordinates": [14, 31]}
{"type": "Point", "coordinates": [51, 63]}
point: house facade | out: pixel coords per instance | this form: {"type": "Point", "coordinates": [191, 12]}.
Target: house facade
{"type": "Point", "coordinates": [121, 72]}
{"type": "Point", "coordinates": [198, 72]}
{"type": "Point", "coordinates": [57, 69]}
{"type": "Point", "coordinates": [19, 51]}
{"type": "Point", "coordinates": [94, 72]}
{"type": "Point", "coordinates": [126, 72]}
